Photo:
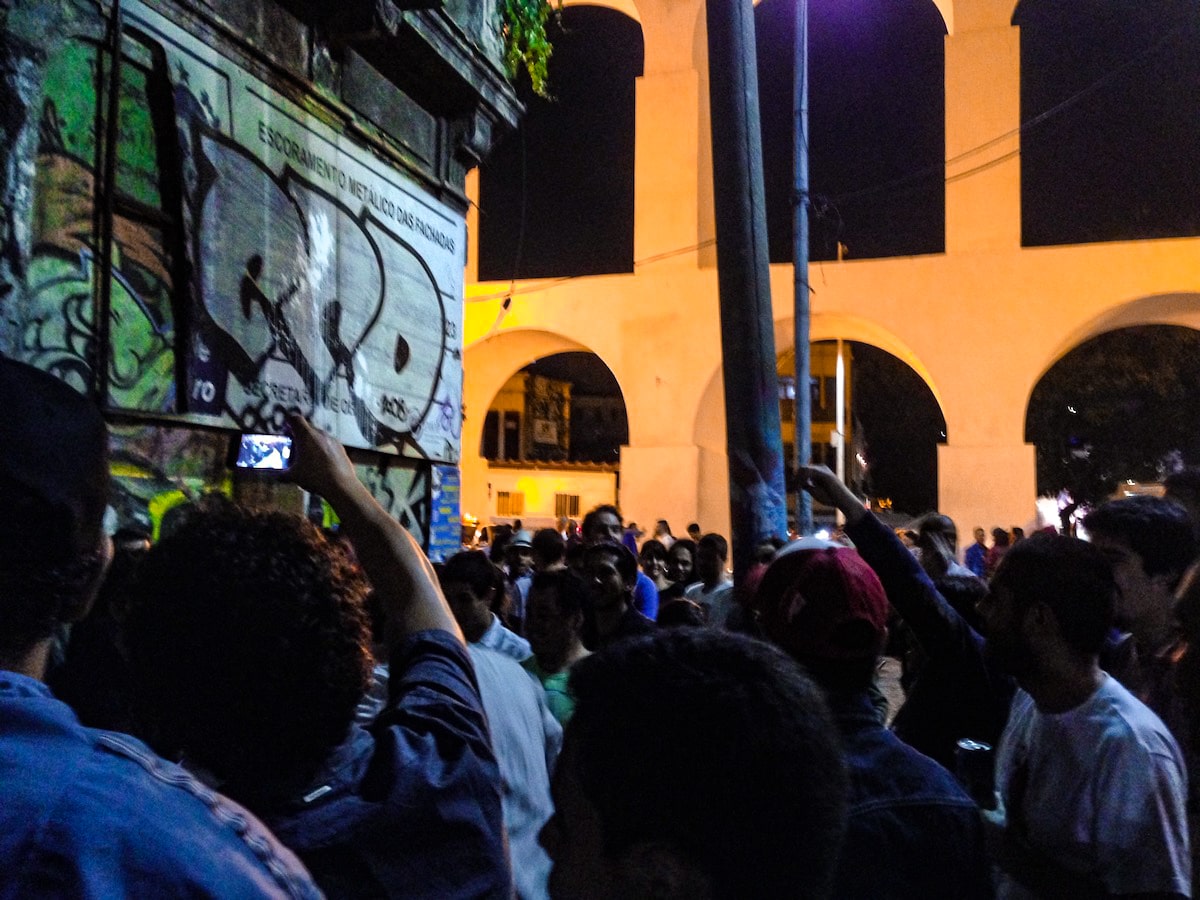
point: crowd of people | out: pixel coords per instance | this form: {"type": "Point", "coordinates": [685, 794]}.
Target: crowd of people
{"type": "Point", "coordinates": [254, 707]}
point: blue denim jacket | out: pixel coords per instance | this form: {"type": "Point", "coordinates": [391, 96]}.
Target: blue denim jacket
{"type": "Point", "coordinates": [87, 813]}
{"type": "Point", "coordinates": [408, 806]}
{"type": "Point", "coordinates": [912, 832]}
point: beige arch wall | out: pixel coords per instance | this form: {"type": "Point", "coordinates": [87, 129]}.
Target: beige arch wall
{"type": "Point", "coordinates": [981, 322]}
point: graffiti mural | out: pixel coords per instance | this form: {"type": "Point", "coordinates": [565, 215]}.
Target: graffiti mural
{"type": "Point", "coordinates": [323, 279]}
{"type": "Point", "coordinates": [262, 260]}
{"type": "Point", "coordinates": [57, 325]}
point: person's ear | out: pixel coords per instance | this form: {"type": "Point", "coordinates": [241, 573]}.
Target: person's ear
{"type": "Point", "coordinates": [655, 870]}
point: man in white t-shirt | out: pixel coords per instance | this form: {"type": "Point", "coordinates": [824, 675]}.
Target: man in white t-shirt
{"type": "Point", "coordinates": [1091, 784]}
{"type": "Point", "coordinates": [714, 591]}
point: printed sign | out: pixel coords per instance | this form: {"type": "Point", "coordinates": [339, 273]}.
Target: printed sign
{"type": "Point", "coordinates": [445, 522]}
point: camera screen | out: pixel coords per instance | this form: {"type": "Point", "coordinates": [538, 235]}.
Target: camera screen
{"type": "Point", "coordinates": [264, 451]}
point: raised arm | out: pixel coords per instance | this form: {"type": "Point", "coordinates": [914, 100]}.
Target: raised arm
{"type": "Point", "coordinates": [393, 561]}
{"type": "Point", "coordinates": [936, 624]}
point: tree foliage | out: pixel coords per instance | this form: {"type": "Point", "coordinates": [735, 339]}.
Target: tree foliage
{"type": "Point", "coordinates": [1124, 405]}
{"type": "Point", "coordinates": [523, 28]}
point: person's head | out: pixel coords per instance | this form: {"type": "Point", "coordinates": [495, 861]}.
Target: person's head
{"type": "Point", "coordinates": [602, 524]}
{"type": "Point", "coordinates": [711, 553]}
{"type": "Point", "coordinates": [694, 532]}
{"type": "Point", "coordinates": [681, 613]}
{"type": "Point", "coordinates": [610, 573]}
{"type": "Point", "coordinates": [554, 616]}
{"type": "Point", "coordinates": [471, 585]}
{"type": "Point", "coordinates": [681, 561]}
{"type": "Point", "coordinates": [935, 526]}
{"type": "Point", "coordinates": [1051, 597]}
{"type": "Point", "coordinates": [501, 535]}
{"type": "Point", "coordinates": [653, 559]}
{"type": "Point", "coordinates": [54, 483]}
{"type": "Point", "coordinates": [1018, 533]}
{"type": "Point", "coordinates": [548, 548]}
{"type": "Point", "coordinates": [562, 524]}
{"type": "Point", "coordinates": [698, 763]}
{"type": "Point", "coordinates": [1150, 542]}
{"type": "Point", "coordinates": [519, 553]}
{"type": "Point", "coordinates": [1000, 537]}
{"type": "Point", "coordinates": [249, 642]}
{"type": "Point", "coordinates": [825, 606]}
{"type": "Point", "coordinates": [980, 536]}
{"type": "Point", "coordinates": [662, 528]}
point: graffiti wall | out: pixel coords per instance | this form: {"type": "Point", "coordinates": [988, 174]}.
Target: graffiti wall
{"type": "Point", "coordinates": [317, 276]}
{"type": "Point", "coordinates": [56, 324]}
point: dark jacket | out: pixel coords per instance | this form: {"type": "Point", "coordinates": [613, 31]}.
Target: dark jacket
{"type": "Point", "coordinates": [409, 806]}
{"type": "Point", "coordinates": [959, 693]}
{"type": "Point", "coordinates": [912, 832]}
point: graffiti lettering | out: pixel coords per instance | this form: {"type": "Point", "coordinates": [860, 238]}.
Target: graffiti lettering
{"type": "Point", "coordinates": [394, 407]}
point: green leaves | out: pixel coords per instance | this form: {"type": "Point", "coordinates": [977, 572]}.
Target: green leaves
{"type": "Point", "coordinates": [523, 28]}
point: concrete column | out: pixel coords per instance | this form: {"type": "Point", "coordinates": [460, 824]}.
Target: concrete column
{"type": "Point", "coordinates": [983, 115]}
{"type": "Point", "coordinates": [660, 483]}
{"type": "Point", "coordinates": [987, 486]}
{"type": "Point", "coordinates": [666, 167]}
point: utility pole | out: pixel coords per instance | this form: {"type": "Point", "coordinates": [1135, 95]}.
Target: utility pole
{"type": "Point", "coordinates": [757, 497]}
{"type": "Point", "coordinates": [802, 443]}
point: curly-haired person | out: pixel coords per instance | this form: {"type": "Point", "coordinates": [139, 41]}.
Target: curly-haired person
{"type": "Point", "coordinates": [90, 813]}
{"type": "Point", "coordinates": [251, 640]}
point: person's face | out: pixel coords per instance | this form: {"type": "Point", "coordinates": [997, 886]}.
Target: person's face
{"type": "Point", "coordinates": [550, 633]}
{"type": "Point", "coordinates": [679, 564]}
{"type": "Point", "coordinates": [520, 559]}
{"type": "Point", "coordinates": [1005, 622]}
{"type": "Point", "coordinates": [469, 611]}
{"type": "Point", "coordinates": [605, 527]}
{"type": "Point", "coordinates": [1138, 595]}
{"type": "Point", "coordinates": [980, 536]}
{"type": "Point", "coordinates": [654, 566]}
{"type": "Point", "coordinates": [708, 565]}
{"type": "Point", "coordinates": [604, 580]}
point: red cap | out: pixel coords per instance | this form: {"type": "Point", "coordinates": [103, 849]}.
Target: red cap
{"type": "Point", "coordinates": [821, 601]}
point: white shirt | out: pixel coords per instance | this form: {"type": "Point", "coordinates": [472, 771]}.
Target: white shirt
{"type": "Point", "coordinates": [1103, 795]}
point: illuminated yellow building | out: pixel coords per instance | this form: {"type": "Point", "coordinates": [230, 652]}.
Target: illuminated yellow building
{"type": "Point", "coordinates": [980, 322]}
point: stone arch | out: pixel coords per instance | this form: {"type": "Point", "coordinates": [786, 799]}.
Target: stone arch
{"type": "Point", "coordinates": [628, 7]}
{"type": "Point", "coordinates": [1158, 309]}
{"type": "Point", "coordinates": [487, 365]}
{"type": "Point", "coordinates": [709, 428]}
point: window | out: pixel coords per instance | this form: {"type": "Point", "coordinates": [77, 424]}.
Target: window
{"type": "Point", "coordinates": [510, 503]}
{"type": "Point", "coordinates": [566, 505]}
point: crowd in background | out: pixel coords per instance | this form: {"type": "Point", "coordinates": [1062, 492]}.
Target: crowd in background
{"type": "Point", "coordinates": [254, 707]}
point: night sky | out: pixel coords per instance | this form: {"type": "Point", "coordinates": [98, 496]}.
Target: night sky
{"type": "Point", "coordinates": [1109, 93]}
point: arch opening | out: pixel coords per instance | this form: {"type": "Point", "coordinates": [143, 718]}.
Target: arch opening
{"type": "Point", "coordinates": [1120, 411]}
{"type": "Point", "coordinates": [1111, 123]}
{"type": "Point", "coordinates": [892, 422]}
{"type": "Point", "coordinates": [876, 126]}
{"type": "Point", "coordinates": [556, 197]}
{"type": "Point", "coordinates": [552, 438]}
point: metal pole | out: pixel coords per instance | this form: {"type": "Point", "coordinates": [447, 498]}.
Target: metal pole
{"type": "Point", "coordinates": [803, 440]}
{"type": "Point", "coordinates": [757, 498]}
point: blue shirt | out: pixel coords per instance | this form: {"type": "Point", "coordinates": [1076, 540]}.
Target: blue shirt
{"type": "Point", "coordinates": [88, 813]}
{"type": "Point", "coordinates": [408, 806]}
{"type": "Point", "coordinates": [645, 596]}
{"type": "Point", "coordinates": [976, 559]}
